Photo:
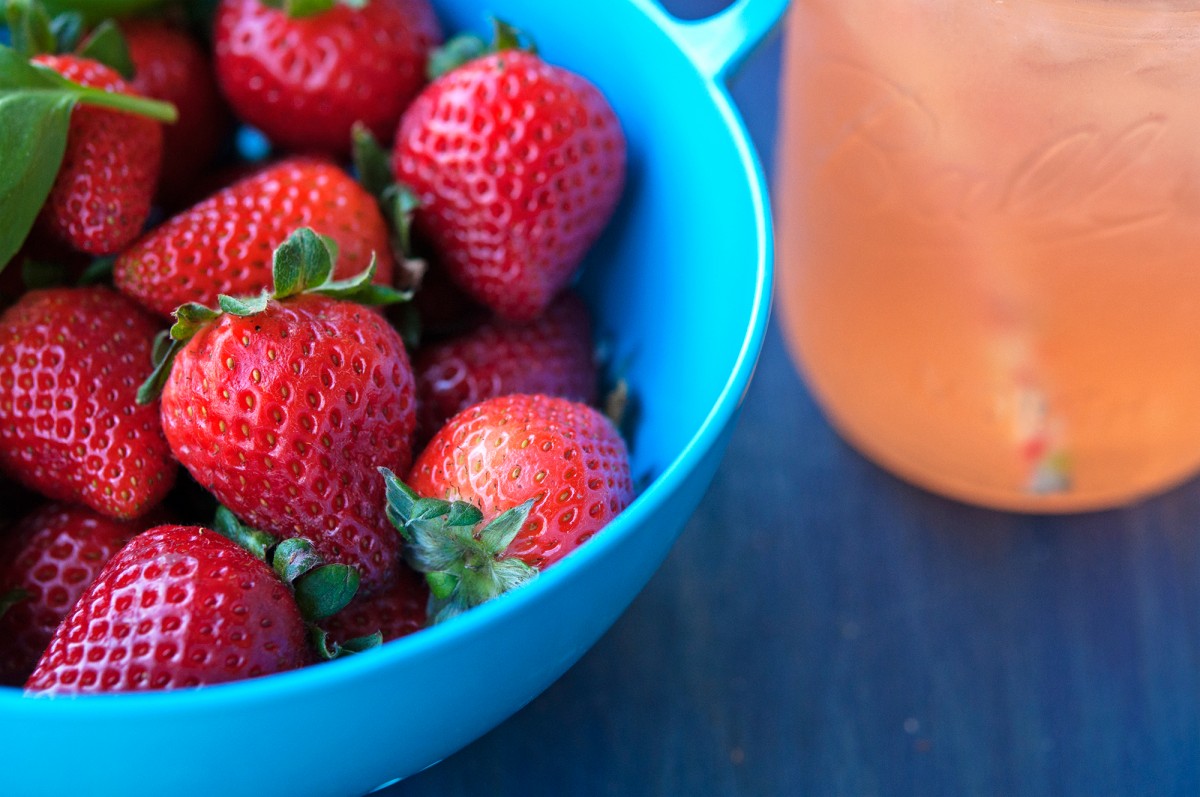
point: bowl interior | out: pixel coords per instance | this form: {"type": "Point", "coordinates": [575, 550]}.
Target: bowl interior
{"type": "Point", "coordinates": [678, 285]}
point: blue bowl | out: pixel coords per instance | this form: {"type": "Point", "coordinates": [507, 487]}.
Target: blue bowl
{"type": "Point", "coordinates": [680, 286]}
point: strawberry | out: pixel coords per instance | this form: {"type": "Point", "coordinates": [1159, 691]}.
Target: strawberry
{"type": "Point", "coordinates": [46, 562]}
{"type": "Point", "coordinates": [71, 360]}
{"type": "Point", "coordinates": [178, 606]}
{"type": "Point", "coordinates": [518, 165]}
{"type": "Point", "coordinates": [172, 66]}
{"type": "Point", "coordinates": [283, 407]}
{"type": "Point", "coordinates": [397, 611]}
{"type": "Point", "coordinates": [552, 355]}
{"type": "Point", "coordinates": [224, 244]}
{"type": "Point", "coordinates": [304, 81]}
{"type": "Point", "coordinates": [102, 194]}
{"type": "Point", "coordinates": [544, 474]}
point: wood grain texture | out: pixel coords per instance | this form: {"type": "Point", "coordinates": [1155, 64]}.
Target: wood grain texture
{"type": "Point", "coordinates": [823, 628]}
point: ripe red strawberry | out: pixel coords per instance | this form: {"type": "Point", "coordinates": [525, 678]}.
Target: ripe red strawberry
{"type": "Point", "coordinates": [284, 410]}
{"type": "Point", "coordinates": [518, 165]}
{"type": "Point", "coordinates": [544, 473]}
{"type": "Point", "coordinates": [397, 611]}
{"type": "Point", "coordinates": [102, 194]}
{"type": "Point", "coordinates": [71, 360]}
{"type": "Point", "coordinates": [173, 67]}
{"type": "Point", "coordinates": [305, 81]}
{"type": "Point", "coordinates": [178, 606]}
{"type": "Point", "coordinates": [224, 244]}
{"type": "Point", "coordinates": [552, 355]}
{"type": "Point", "coordinates": [52, 555]}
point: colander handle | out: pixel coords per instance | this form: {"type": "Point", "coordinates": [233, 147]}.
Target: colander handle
{"type": "Point", "coordinates": [719, 44]}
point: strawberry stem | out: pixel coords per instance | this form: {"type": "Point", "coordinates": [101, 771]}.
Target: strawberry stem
{"type": "Point", "coordinates": [153, 109]}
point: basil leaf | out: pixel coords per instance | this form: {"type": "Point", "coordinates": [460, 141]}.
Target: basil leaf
{"type": "Point", "coordinates": [107, 45]}
{"type": "Point", "coordinates": [33, 138]}
{"type": "Point", "coordinates": [67, 30]}
{"type": "Point", "coordinates": [17, 73]}
{"type": "Point", "coordinates": [29, 25]}
{"type": "Point", "coordinates": [35, 119]}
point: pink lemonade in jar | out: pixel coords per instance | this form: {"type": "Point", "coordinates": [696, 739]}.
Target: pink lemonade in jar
{"type": "Point", "coordinates": [988, 215]}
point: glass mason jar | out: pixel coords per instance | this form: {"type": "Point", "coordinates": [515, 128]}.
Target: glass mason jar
{"type": "Point", "coordinates": [988, 215]}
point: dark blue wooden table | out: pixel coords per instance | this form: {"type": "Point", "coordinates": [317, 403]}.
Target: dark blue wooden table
{"type": "Point", "coordinates": [823, 628]}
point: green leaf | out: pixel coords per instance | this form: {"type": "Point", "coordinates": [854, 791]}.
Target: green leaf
{"type": "Point", "coordinates": [33, 140]}
{"type": "Point", "coordinates": [372, 295]}
{"type": "Point", "coordinates": [371, 161]}
{"type": "Point", "coordinates": [152, 388]}
{"type": "Point", "coordinates": [362, 643]}
{"type": "Point", "coordinates": [509, 37]}
{"type": "Point", "coordinates": [17, 73]}
{"type": "Point", "coordinates": [454, 53]}
{"type": "Point", "coordinates": [258, 543]}
{"type": "Point", "coordinates": [402, 203]}
{"type": "Point", "coordinates": [332, 245]}
{"type": "Point", "coordinates": [293, 558]}
{"type": "Point", "coordinates": [332, 287]}
{"type": "Point", "coordinates": [107, 45]}
{"type": "Point", "coordinates": [189, 318]}
{"type": "Point", "coordinates": [325, 590]}
{"type": "Point", "coordinates": [67, 29]}
{"type": "Point", "coordinates": [244, 307]}
{"type": "Point", "coordinates": [161, 346]}
{"type": "Point", "coordinates": [463, 567]}
{"type": "Point", "coordinates": [511, 573]}
{"type": "Point", "coordinates": [464, 514]}
{"type": "Point", "coordinates": [30, 28]}
{"type": "Point", "coordinates": [301, 262]}
{"type": "Point", "coordinates": [35, 117]}
{"type": "Point", "coordinates": [441, 584]}
{"type": "Point", "coordinates": [430, 509]}
{"type": "Point", "coordinates": [499, 534]}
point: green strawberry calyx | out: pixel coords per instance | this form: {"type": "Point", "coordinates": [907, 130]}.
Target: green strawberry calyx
{"type": "Point", "coordinates": [462, 557]}
{"type": "Point", "coordinates": [35, 116]}
{"type": "Point", "coordinates": [303, 264]}
{"type": "Point", "coordinates": [467, 47]}
{"type": "Point", "coordinates": [321, 589]}
{"type": "Point", "coordinates": [397, 201]}
{"type": "Point", "coordinates": [399, 204]}
{"type": "Point", "coordinates": [299, 9]}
